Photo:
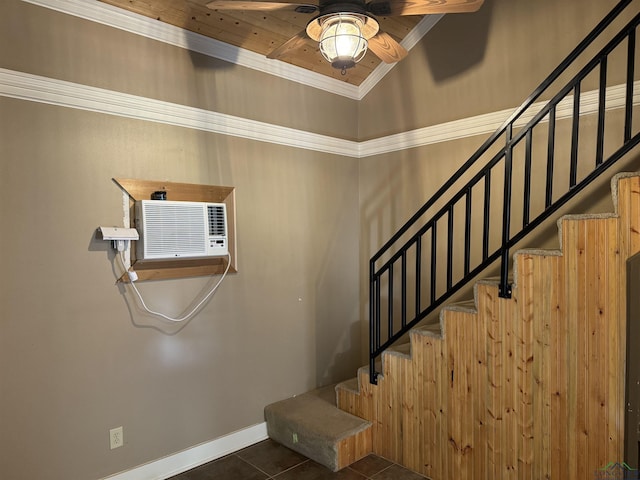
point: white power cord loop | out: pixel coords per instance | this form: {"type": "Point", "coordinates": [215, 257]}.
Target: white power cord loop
{"type": "Point", "coordinates": [133, 277]}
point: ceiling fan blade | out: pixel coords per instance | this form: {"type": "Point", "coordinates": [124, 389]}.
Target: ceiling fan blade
{"type": "Point", "coordinates": [257, 5]}
{"type": "Point", "coordinates": [386, 48]}
{"type": "Point", "coordinates": [289, 46]}
{"type": "Point", "coordinates": [422, 7]}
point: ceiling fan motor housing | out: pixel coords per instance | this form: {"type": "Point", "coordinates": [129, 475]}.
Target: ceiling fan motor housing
{"type": "Point", "coordinates": [340, 6]}
{"type": "Point", "coordinates": [305, 9]}
{"type": "Point", "coordinates": [379, 8]}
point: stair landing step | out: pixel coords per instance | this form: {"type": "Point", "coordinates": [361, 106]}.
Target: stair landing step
{"type": "Point", "coordinates": [311, 425]}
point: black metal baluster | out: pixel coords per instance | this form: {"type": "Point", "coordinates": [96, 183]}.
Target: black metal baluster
{"type": "Point", "coordinates": [602, 95]}
{"type": "Point", "coordinates": [573, 173]}
{"type": "Point", "coordinates": [434, 257]}
{"type": "Point", "coordinates": [378, 312]}
{"type": "Point", "coordinates": [390, 303]}
{"type": "Point", "coordinates": [418, 273]}
{"type": "Point", "coordinates": [485, 218]}
{"type": "Point", "coordinates": [628, 111]}
{"type": "Point", "coordinates": [505, 287]}
{"type": "Point", "coordinates": [450, 247]}
{"type": "Point", "coordinates": [550, 157]}
{"type": "Point", "coordinates": [527, 179]}
{"type": "Point", "coordinates": [467, 232]}
{"type": "Point", "coordinates": [403, 295]}
{"type": "Point", "coordinates": [374, 322]}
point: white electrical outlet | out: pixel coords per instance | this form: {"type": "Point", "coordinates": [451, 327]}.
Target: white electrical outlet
{"type": "Point", "coordinates": [116, 437]}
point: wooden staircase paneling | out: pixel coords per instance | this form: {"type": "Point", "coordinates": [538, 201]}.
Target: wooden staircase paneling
{"type": "Point", "coordinates": [530, 387]}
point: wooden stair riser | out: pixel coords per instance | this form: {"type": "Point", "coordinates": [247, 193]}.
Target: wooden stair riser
{"type": "Point", "coordinates": [354, 448]}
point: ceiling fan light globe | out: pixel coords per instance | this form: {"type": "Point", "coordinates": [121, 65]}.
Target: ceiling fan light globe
{"type": "Point", "coordinates": [342, 42]}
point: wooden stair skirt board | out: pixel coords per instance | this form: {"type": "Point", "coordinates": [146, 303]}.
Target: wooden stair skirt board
{"type": "Point", "coordinates": [528, 387]}
{"type": "Point", "coordinates": [313, 426]}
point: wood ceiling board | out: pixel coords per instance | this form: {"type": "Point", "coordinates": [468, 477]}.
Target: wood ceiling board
{"type": "Point", "coordinates": [261, 32]}
{"type": "Point", "coordinates": [398, 27]}
{"type": "Point", "coordinates": [268, 31]}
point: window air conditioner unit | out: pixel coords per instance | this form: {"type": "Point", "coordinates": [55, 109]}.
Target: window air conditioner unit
{"type": "Point", "coordinates": [170, 230]}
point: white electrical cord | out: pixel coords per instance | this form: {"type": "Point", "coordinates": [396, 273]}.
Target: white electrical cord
{"type": "Point", "coordinates": [133, 277]}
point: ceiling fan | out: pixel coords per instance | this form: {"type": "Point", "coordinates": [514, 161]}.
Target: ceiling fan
{"type": "Point", "coordinates": [345, 29]}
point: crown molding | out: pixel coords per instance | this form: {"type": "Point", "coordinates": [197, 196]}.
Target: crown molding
{"type": "Point", "coordinates": [488, 123]}
{"type": "Point", "coordinates": [35, 88]}
{"type": "Point", "coordinates": [96, 11]}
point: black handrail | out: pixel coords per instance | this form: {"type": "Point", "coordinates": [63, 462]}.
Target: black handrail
{"type": "Point", "coordinates": [429, 237]}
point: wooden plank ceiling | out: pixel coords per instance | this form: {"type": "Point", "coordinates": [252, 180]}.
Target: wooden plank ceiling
{"type": "Point", "coordinates": [261, 32]}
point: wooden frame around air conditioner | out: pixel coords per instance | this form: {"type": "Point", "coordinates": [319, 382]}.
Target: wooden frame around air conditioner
{"type": "Point", "coordinates": [142, 190]}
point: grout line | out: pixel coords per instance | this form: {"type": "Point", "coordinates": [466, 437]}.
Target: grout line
{"type": "Point", "coordinates": [395, 464]}
{"type": "Point", "coordinates": [290, 468]}
{"type": "Point", "coordinates": [254, 466]}
{"type": "Point", "coordinates": [271, 477]}
{"type": "Point", "coordinates": [366, 477]}
{"type": "Point", "coordinates": [385, 468]}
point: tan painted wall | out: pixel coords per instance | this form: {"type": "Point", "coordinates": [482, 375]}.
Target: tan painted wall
{"type": "Point", "coordinates": [78, 356]}
{"type": "Point", "coordinates": [471, 64]}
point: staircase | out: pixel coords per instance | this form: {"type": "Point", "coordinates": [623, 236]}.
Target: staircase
{"type": "Point", "coordinates": [530, 386]}
{"type": "Point", "coordinates": [527, 380]}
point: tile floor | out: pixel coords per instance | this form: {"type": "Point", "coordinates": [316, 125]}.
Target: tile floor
{"type": "Point", "coordinates": [269, 460]}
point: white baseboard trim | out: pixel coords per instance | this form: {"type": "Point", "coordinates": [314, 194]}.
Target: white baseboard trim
{"type": "Point", "coordinates": [195, 456]}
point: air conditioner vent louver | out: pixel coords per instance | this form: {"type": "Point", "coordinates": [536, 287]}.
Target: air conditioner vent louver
{"type": "Point", "coordinates": [180, 229]}
{"type": "Point", "coordinates": [217, 220]}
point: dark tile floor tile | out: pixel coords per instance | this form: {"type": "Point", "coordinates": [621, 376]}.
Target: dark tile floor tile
{"type": "Point", "coordinates": [311, 470]}
{"type": "Point", "coordinates": [271, 457]}
{"type": "Point", "coordinates": [396, 472]}
{"type": "Point", "coordinates": [269, 460]}
{"type": "Point", "coordinates": [227, 468]}
{"type": "Point", "coordinates": [371, 465]}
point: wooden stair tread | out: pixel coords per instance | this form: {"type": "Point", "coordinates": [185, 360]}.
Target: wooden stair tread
{"type": "Point", "coordinates": [402, 349]}
{"type": "Point", "coordinates": [350, 385]}
{"type": "Point", "coordinates": [433, 329]}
